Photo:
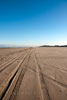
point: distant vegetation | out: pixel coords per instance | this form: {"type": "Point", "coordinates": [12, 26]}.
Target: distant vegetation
{"type": "Point", "coordinates": [54, 46]}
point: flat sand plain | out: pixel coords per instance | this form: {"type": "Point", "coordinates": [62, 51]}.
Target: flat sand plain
{"type": "Point", "coordinates": [45, 72]}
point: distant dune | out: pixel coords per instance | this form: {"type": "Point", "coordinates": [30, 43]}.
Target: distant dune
{"type": "Point", "coordinates": [54, 46]}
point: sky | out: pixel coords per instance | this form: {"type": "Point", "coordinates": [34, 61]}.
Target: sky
{"type": "Point", "coordinates": [33, 22]}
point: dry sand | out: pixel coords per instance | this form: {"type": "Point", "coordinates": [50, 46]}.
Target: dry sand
{"type": "Point", "coordinates": [45, 73]}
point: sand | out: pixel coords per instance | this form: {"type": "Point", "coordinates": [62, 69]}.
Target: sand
{"type": "Point", "coordinates": [44, 73]}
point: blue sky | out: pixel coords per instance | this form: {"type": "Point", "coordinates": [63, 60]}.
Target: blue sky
{"type": "Point", "coordinates": [33, 22]}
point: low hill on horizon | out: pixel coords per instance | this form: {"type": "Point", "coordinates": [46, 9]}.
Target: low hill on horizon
{"type": "Point", "coordinates": [54, 46]}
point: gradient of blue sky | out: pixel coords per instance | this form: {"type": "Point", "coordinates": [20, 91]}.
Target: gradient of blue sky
{"type": "Point", "coordinates": [33, 22]}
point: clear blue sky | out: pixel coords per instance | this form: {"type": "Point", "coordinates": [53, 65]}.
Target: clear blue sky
{"type": "Point", "coordinates": [33, 22]}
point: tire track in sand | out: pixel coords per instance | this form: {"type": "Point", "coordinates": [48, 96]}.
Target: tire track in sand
{"type": "Point", "coordinates": [43, 87]}
{"type": "Point", "coordinates": [17, 86]}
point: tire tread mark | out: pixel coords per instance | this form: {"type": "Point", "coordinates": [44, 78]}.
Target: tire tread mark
{"type": "Point", "coordinates": [45, 92]}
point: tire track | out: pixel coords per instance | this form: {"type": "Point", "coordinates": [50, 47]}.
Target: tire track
{"type": "Point", "coordinates": [44, 90]}
{"type": "Point", "coordinates": [2, 58]}
{"type": "Point", "coordinates": [49, 78]}
{"type": "Point", "coordinates": [9, 63]}
{"type": "Point", "coordinates": [17, 86]}
{"type": "Point", "coordinates": [4, 91]}
{"type": "Point", "coordinates": [52, 79]}
{"type": "Point", "coordinates": [12, 54]}
{"type": "Point", "coordinates": [55, 67]}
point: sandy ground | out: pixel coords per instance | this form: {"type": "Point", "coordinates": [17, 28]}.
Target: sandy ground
{"type": "Point", "coordinates": [8, 53]}
{"type": "Point", "coordinates": [45, 73]}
